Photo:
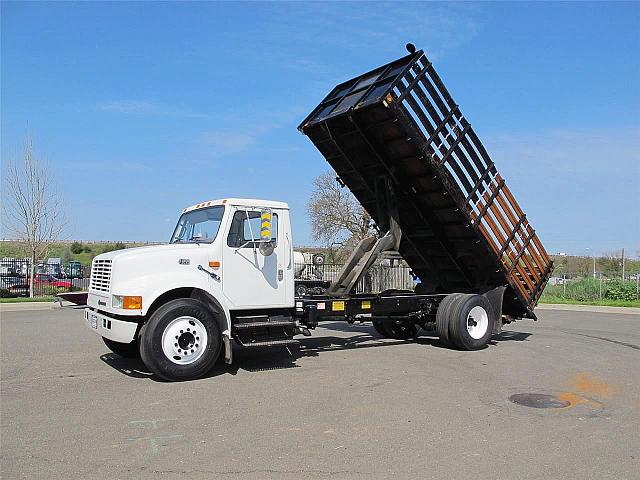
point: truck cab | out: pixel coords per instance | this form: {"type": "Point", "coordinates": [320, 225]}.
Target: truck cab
{"type": "Point", "coordinates": [228, 266]}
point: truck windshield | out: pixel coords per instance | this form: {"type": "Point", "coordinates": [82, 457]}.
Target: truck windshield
{"type": "Point", "coordinates": [198, 226]}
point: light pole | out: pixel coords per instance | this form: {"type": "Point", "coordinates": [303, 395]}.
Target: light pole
{"type": "Point", "coordinates": [593, 255]}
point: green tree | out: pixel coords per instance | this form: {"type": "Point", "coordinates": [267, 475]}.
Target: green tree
{"type": "Point", "coordinates": [76, 248]}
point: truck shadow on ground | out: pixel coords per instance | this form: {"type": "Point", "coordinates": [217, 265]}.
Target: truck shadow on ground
{"type": "Point", "coordinates": [267, 359]}
{"type": "Point", "coordinates": [424, 336]}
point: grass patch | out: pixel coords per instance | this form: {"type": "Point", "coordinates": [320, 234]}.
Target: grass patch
{"type": "Point", "coordinates": [601, 303]}
{"type": "Point", "coordinates": [27, 299]}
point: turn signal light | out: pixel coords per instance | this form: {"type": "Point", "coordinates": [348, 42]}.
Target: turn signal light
{"type": "Point", "coordinates": [214, 264]}
{"type": "Point", "coordinates": [131, 303]}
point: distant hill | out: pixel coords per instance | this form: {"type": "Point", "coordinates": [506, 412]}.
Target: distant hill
{"type": "Point", "coordinates": [68, 250]}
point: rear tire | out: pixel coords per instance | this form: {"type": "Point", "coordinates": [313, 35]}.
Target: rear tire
{"type": "Point", "coordinates": [126, 350]}
{"type": "Point", "coordinates": [443, 314]}
{"type": "Point", "coordinates": [181, 340]}
{"type": "Point", "coordinates": [471, 322]}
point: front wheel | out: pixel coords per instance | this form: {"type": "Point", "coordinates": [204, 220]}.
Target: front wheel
{"type": "Point", "coordinates": [127, 350]}
{"type": "Point", "coordinates": [181, 340]}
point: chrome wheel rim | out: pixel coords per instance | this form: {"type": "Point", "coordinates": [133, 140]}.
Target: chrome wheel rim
{"type": "Point", "coordinates": [184, 340]}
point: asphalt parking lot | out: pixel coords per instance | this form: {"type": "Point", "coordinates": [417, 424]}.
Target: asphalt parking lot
{"type": "Point", "coordinates": [346, 404]}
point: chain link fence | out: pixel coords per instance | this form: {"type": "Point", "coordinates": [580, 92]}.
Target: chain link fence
{"type": "Point", "coordinates": [593, 287]}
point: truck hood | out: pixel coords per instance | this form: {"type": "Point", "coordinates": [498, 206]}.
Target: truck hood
{"type": "Point", "coordinates": [149, 251]}
{"type": "Point", "coordinates": [139, 271]}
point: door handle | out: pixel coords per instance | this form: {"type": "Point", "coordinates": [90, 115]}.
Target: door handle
{"type": "Point", "coordinates": [288, 252]}
{"type": "Point", "coordinates": [211, 274]}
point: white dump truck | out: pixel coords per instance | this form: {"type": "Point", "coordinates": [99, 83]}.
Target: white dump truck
{"type": "Point", "coordinates": [397, 140]}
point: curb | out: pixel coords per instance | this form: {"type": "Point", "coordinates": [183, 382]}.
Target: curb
{"type": "Point", "coordinates": [28, 306]}
{"type": "Point", "coordinates": [589, 308]}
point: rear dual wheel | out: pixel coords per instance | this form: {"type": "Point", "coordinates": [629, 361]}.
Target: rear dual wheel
{"type": "Point", "coordinates": [465, 321]}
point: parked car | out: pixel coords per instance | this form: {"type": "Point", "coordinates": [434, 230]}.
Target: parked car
{"type": "Point", "coordinates": [73, 269]}
{"type": "Point", "coordinates": [46, 279]}
{"type": "Point", "coordinates": [54, 269]}
{"type": "Point", "coordinates": [8, 271]}
{"type": "Point", "coordinates": [16, 286]}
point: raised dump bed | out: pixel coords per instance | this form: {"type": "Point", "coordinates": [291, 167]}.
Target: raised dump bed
{"type": "Point", "coordinates": [395, 137]}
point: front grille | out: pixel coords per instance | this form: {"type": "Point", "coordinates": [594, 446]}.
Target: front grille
{"type": "Point", "coordinates": [100, 275]}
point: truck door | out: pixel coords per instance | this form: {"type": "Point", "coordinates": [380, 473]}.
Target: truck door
{"type": "Point", "coordinates": [251, 279]}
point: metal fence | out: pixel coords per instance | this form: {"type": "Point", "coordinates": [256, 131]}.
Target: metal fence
{"type": "Point", "coordinates": [56, 278]}
{"type": "Point", "coordinates": [568, 286]}
{"type": "Point", "coordinates": [50, 278]}
{"type": "Point", "coordinates": [378, 278]}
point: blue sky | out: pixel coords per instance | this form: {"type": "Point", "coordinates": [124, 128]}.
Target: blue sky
{"type": "Point", "coordinates": [144, 108]}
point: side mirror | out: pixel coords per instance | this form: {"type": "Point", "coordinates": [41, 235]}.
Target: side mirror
{"type": "Point", "coordinates": [267, 246]}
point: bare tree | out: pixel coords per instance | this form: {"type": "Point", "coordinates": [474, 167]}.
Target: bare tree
{"type": "Point", "coordinates": [33, 210]}
{"type": "Point", "coordinates": [336, 216]}
{"type": "Point", "coordinates": [612, 263]}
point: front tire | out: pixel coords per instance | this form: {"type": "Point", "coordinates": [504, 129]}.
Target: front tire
{"type": "Point", "coordinates": [126, 350]}
{"type": "Point", "coordinates": [181, 340]}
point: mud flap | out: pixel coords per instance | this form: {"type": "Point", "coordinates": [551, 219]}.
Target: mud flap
{"type": "Point", "coordinates": [228, 349]}
{"type": "Point", "coordinates": [495, 299]}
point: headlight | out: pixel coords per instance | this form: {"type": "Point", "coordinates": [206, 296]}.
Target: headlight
{"type": "Point", "coordinates": [127, 302]}
{"type": "Point", "coordinates": [116, 301]}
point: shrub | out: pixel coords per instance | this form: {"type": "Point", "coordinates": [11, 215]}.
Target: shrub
{"type": "Point", "coordinates": [108, 247]}
{"type": "Point", "coordinates": [4, 293]}
{"type": "Point", "coordinates": [76, 248]}
{"type": "Point", "coordinates": [619, 290]}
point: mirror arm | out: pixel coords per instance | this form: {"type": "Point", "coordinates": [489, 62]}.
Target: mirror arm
{"type": "Point", "coordinates": [246, 212]}
{"type": "Point", "coordinates": [244, 245]}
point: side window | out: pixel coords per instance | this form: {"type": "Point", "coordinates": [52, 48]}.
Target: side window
{"type": "Point", "coordinates": [251, 227]}
{"type": "Point", "coordinates": [245, 229]}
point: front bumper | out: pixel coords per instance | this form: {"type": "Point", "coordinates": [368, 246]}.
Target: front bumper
{"type": "Point", "coordinates": [116, 330]}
